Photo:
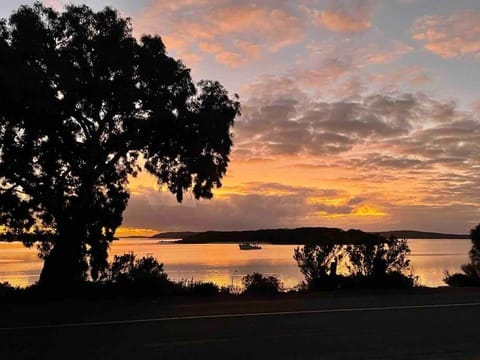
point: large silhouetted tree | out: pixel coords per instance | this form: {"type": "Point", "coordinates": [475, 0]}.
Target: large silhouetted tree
{"type": "Point", "coordinates": [84, 105]}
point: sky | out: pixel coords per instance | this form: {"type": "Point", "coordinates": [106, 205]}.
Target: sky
{"type": "Point", "coordinates": [355, 113]}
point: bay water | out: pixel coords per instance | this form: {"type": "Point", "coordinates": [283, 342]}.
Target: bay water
{"type": "Point", "coordinates": [226, 264]}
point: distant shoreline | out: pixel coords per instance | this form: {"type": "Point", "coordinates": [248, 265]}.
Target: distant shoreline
{"type": "Point", "coordinates": [299, 236]}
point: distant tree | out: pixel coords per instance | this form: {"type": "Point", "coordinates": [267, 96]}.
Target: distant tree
{"type": "Point", "coordinates": [315, 262]}
{"type": "Point", "coordinates": [471, 271]}
{"type": "Point", "coordinates": [85, 105]}
{"type": "Point", "coordinates": [377, 259]}
{"type": "Point", "coordinates": [259, 284]}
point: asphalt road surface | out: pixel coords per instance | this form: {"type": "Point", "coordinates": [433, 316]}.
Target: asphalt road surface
{"type": "Point", "coordinates": [429, 326]}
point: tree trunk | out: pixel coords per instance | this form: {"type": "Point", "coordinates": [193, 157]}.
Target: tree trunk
{"type": "Point", "coordinates": [65, 266]}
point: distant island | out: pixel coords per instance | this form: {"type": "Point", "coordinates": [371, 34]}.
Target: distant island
{"type": "Point", "coordinates": [174, 235]}
{"type": "Point", "coordinates": [284, 236]}
{"type": "Point", "coordinates": [298, 236]}
{"type": "Point", "coordinates": [277, 236]}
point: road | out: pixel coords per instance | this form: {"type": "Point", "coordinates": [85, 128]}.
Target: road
{"type": "Point", "coordinates": [428, 326]}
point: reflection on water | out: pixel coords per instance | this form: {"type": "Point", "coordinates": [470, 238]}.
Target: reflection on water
{"type": "Point", "coordinates": [18, 265]}
{"type": "Point", "coordinates": [226, 263]}
{"type": "Point", "coordinates": [431, 258]}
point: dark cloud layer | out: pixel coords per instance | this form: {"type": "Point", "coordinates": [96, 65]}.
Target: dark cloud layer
{"type": "Point", "coordinates": [266, 205]}
{"type": "Point", "coordinates": [292, 122]}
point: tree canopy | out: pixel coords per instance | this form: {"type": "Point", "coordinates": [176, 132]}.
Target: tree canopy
{"type": "Point", "coordinates": [85, 105]}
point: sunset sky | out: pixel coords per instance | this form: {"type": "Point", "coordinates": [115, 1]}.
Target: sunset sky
{"type": "Point", "coordinates": [355, 113]}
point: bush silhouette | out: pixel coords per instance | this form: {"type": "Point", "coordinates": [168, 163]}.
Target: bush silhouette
{"type": "Point", "coordinates": [6, 289]}
{"type": "Point", "coordinates": [316, 261]}
{"type": "Point", "coordinates": [379, 263]}
{"type": "Point", "coordinates": [471, 271]}
{"type": "Point", "coordinates": [138, 277]}
{"type": "Point", "coordinates": [126, 268]}
{"type": "Point", "coordinates": [258, 284]}
{"type": "Point", "coordinates": [196, 288]}
{"type": "Point", "coordinates": [375, 260]}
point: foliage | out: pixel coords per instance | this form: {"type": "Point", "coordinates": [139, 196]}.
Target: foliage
{"type": "Point", "coordinates": [376, 260]}
{"type": "Point", "coordinates": [197, 288]}
{"type": "Point", "coordinates": [258, 284]}
{"type": "Point", "coordinates": [126, 268]}
{"type": "Point", "coordinates": [84, 106]}
{"type": "Point", "coordinates": [473, 268]}
{"type": "Point", "coordinates": [6, 289]}
{"type": "Point", "coordinates": [389, 280]}
{"type": "Point", "coordinates": [383, 265]}
{"type": "Point", "coordinates": [130, 276]}
{"type": "Point", "coordinates": [370, 264]}
{"type": "Point", "coordinates": [458, 279]}
{"type": "Point", "coordinates": [471, 271]}
{"type": "Point", "coordinates": [315, 262]}
{"type": "Point", "coordinates": [146, 276]}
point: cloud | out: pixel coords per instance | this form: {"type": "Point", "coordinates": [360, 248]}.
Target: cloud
{"type": "Point", "coordinates": [447, 218]}
{"type": "Point", "coordinates": [449, 36]}
{"type": "Point", "coordinates": [383, 162]}
{"type": "Point", "coordinates": [230, 59]}
{"type": "Point", "coordinates": [239, 33]}
{"type": "Point", "coordinates": [222, 27]}
{"type": "Point", "coordinates": [411, 76]}
{"type": "Point", "coordinates": [248, 51]}
{"type": "Point", "coordinates": [253, 206]}
{"type": "Point", "coordinates": [451, 140]}
{"type": "Point", "coordinates": [346, 16]}
{"type": "Point", "coordinates": [251, 50]}
{"type": "Point", "coordinates": [359, 51]}
{"type": "Point", "coordinates": [279, 118]}
{"type": "Point", "coordinates": [270, 205]}
{"type": "Point", "coordinates": [342, 114]}
{"type": "Point", "coordinates": [344, 68]}
{"type": "Point", "coordinates": [408, 144]}
{"type": "Point", "coordinates": [427, 179]}
{"type": "Point", "coordinates": [56, 4]}
{"type": "Point", "coordinates": [211, 47]}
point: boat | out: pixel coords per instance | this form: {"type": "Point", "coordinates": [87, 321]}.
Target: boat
{"type": "Point", "coordinates": [249, 246]}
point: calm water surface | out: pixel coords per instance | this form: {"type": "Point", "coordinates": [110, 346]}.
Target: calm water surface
{"type": "Point", "coordinates": [225, 263]}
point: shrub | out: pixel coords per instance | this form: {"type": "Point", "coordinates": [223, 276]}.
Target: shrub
{"type": "Point", "coordinates": [127, 268]}
{"type": "Point", "coordinates": [197, 288]}
{"type": "Point", "coordinates": [6, 290]}
{"type": "Point", "coordinates": [459, 279]}
{"type": "Point", "coordinates": [390, 280]}
{"type": "Point", "coordinates": [144, 276]}
{"type": "Point", "coordinates": [315, 262]}
{"type": "Point", "coordinates": [382, 264]}
{"type": "Point", "coordinates": [377, 262]}
{"type": "Point", "coordinates": [259, 284]}
{"type": "Point", "coordinates": [471, 271]}
{"type": "Point", "coordinates": [374, 260]}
